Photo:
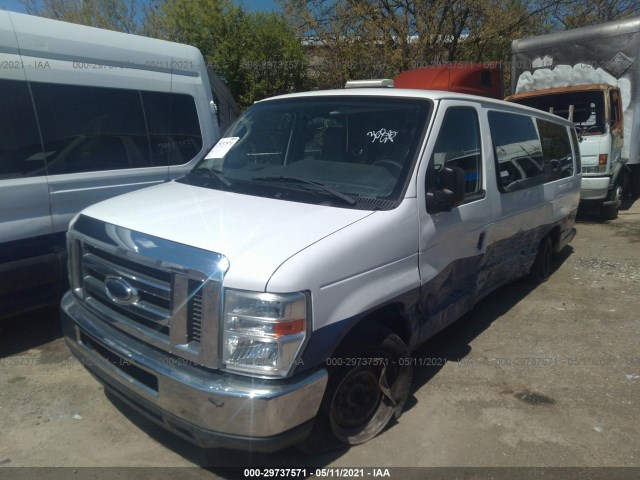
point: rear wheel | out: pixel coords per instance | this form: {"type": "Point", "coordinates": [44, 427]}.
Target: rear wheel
{"type": "Point", "coordinates": [368, 384]}
{"type": "Point", "coordinates": [543, 264]}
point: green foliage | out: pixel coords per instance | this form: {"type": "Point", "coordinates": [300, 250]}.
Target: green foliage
{"type": "Point", "coordinates": [257, 54]}
{"type": "Point", "coordinates": [120, 15]}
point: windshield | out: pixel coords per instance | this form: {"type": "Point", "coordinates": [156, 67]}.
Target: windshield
{"type": "Point", "coordinates": [354, 152]}
{"type": "Point", "coordinates": [584, 108]}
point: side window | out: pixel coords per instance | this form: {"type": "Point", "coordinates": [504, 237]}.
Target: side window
{"type": "Point", "coordinates": [88, 129]}
{"type": "Point", "coordinates": [519, 162]}
{"type": "Point", "coordinates": [174, 127]}
{"type": "Point", "coordinates": [576, 149]}
{"type": "Point", "coordinates": [458, 145]}
{"type": "Point", "coordinates": [556, 150]}
{"type": "Point", "coordinates": [616, 109]}
{"type": "Point", "coordinates": [20, 148]}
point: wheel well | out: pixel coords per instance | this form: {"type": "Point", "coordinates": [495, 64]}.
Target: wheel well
{"type": "Point", "coordinates": [391, 316]}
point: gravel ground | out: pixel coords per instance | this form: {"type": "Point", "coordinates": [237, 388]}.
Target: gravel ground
{"type": "Point", "coordinates": [545, 376]}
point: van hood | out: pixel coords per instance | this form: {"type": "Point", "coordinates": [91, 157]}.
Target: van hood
{"type": "Point", "coordinates": [255, 234]}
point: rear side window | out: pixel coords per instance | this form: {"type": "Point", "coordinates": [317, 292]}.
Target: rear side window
{"type": "Point", "coordinates": [519, 159]}
{"type": "Point", "coordinates": [20, 148]}
{"type": "Point", "coordinates": [458, 145]}
{"type": "Point", "coordinates": [86, 129]}
{"type": "Point", "coordinates": [556, 150]}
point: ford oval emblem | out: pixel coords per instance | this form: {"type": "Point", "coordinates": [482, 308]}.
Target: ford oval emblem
{"type": "Point", "coordinates": [120, 291]}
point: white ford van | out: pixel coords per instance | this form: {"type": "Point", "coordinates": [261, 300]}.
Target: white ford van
{"type": "Point", "coordinates": [85, 114]}
{"type": "Point", "coordinates": [286, 279]}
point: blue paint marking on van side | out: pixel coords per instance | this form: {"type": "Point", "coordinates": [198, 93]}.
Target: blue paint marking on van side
{"type": "Point", "coordinates": [443, 299]}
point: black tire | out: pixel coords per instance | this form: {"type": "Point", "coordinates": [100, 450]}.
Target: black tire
{"type": "Point", "coordinates": [543, 264]}
{"type": "Point", "coordinates": [634, 181]}
{"type": "Point", "coordinates": [369, 382]}
{"type": "Point", "coordinates": [610, 212]}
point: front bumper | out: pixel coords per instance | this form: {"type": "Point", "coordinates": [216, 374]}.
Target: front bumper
{"type": "Point", "coordinates": [210, 408]}
{"type": "Point", "coordinates": [594, 188]}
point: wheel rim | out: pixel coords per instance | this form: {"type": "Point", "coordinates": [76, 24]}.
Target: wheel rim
{"type": "Point", "coordinates": [359, 409]}
{"type": "Point", "coordinates": [617, 195]}
{"type": "Point", "coordinates": [357, 398]}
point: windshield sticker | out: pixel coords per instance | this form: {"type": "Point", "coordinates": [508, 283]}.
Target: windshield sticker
{"type": "Point", "coordinates": [383, 135]}
{"type": "Point", "coordinates": [222, 147]}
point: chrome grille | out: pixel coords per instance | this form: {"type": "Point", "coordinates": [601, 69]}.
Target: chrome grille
{"type": "Point", "coordinates": [194, 316]}
{"type": "Point", "coordinates": [176, 307]}
{"type": "Point", "coordinates": [154, 308]}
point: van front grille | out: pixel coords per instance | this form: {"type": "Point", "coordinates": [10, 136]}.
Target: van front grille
{"type": "Point", "coordinates": [143, 292]}
{"type": "Point", "coordinates": [154, 286]}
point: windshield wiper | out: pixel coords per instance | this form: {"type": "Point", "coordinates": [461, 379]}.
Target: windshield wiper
{"type": "Point", "coordinates": [331, 191]}
{"type": "Point", "coordinates": [211, 172]}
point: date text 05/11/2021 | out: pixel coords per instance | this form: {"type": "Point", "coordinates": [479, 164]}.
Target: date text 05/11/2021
{"type": "Point", "coordinates": [317, 472]}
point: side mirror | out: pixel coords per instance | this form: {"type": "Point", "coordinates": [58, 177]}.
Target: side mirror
{"type": "Point", "coordinates": [450, 193]}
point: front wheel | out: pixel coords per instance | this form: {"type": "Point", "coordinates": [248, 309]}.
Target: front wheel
{"type": "Point", "coordinates": [610, 211]}
{"type": "Point", "coordinates": [370, 382]}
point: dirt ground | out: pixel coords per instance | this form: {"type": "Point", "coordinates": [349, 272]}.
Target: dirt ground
{"type": "Point", "coordinates": [545, 376]}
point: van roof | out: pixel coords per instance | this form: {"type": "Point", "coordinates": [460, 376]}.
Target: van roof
{"type": "Point", "coordinates": [53, 39]}
{"type": "Point", "coordinates": [434, 95]}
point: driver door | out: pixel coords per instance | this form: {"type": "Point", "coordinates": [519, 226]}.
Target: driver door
{"type": "Point", "coordinates": [453, 244]}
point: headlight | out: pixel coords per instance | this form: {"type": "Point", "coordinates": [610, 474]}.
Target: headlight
{"type": "Point", "coordinates": [263, 332]}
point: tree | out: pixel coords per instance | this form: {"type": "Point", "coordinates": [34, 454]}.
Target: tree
{"type": "Point", "coordinates": [576, 14]}
{"type": "Point", "coordinates": [120, 15]}
{"type": "Point", "coordinates": [257, 54]}
{"type": "Point", "coordinates": [374, 38]}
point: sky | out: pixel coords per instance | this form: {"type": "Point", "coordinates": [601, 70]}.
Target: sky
{"type": "Point", "coordinates": [250, 5]}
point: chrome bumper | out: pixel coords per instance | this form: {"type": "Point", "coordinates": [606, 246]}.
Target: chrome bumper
{"type": "Point", "coordinates": [207, 407]}
{"type": "Point", "coordinates": [594, 188]}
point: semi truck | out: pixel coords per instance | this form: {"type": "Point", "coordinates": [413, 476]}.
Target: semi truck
{"type": "Point", "coordinates": [590, 76]}
{"type": "Point", "coordinates": [484, 79]}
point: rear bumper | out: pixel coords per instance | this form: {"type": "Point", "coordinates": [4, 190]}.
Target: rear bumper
{"type": "Point", "coordinates": [207, 407]}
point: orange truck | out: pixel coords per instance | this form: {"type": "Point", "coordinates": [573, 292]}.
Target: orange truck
{"type": "Point", "coordinates": [484, 79]}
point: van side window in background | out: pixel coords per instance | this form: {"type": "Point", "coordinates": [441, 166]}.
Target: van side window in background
{"type": "Point", "coordinates": [458, 145]}
{"type": "Point", "coordinates": [556, 150]}
{"type": "Point", "coordinates": [519, 161]}
{"type": "Point", "coordinates": [174, 128]}
{"type": "Point", "coordinates": [87, 129]}
{"type": "Point", "coordinates": [20, 147]}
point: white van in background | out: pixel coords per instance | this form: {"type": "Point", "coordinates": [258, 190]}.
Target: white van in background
{"type": "Point", "coordinates": [85, 114]}
{"type": "Point", "coordinates": [286, 279]}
